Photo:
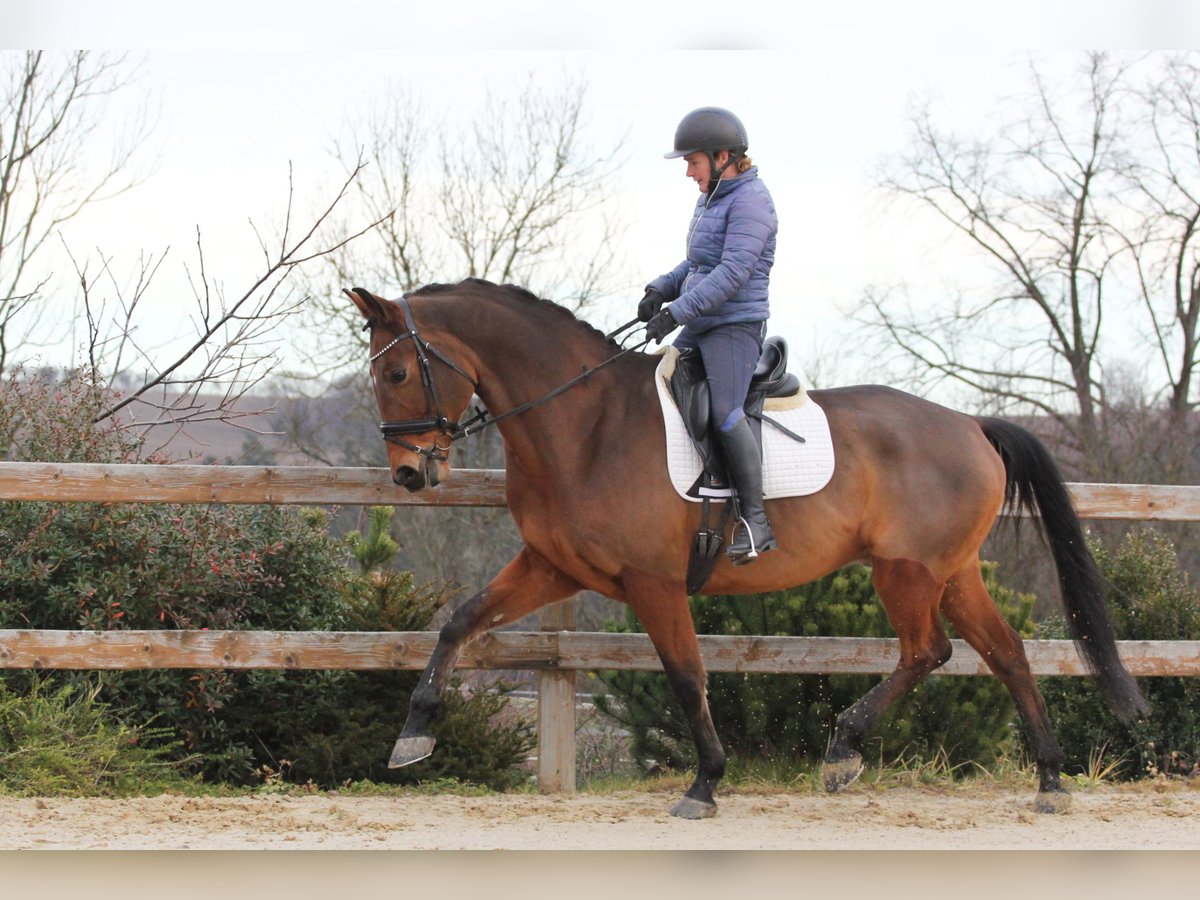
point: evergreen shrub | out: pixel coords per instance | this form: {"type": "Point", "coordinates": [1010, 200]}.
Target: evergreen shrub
{"type": "Point", "coordinates": [1151, 600]}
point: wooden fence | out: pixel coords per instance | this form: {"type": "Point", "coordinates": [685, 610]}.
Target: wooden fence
{"type": "Point", "coordinates": [556, 652]}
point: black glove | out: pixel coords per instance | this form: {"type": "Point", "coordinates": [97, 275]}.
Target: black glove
{"type": "Point", "coordinates": [660, 326]}
{"type": "Point", "coordinates": [649, 305]}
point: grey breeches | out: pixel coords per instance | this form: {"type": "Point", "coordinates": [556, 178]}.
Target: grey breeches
{"type": "Point", "coordinates": [730, 353]}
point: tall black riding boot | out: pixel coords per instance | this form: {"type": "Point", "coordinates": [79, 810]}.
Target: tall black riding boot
{"type": "Point", "coordinates": [752, 534]}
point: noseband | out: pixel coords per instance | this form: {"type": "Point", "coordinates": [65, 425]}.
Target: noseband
{"type": "Point", "coordinates": [435, 419]}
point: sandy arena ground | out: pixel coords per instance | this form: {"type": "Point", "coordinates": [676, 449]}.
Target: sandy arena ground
{"type": "Point", "coordinates": [1163, 816]}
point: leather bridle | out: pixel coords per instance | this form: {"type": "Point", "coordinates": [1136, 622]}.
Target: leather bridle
{"type": "Point", "coordinates": [435, 419]}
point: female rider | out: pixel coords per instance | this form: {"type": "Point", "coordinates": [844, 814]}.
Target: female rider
{"type": "Point", "coordinates": [719, 295]}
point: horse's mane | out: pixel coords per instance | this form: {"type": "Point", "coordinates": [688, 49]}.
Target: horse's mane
{"type": "Point", "coordinates": [520, 294]}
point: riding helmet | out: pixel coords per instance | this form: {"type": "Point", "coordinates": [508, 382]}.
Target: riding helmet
{"type": "Point", "coordinates": [710, 129]}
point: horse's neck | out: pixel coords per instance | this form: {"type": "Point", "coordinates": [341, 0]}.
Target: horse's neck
{"type": "Point", "coordinates": [527, 369]}
{"type": "Point", "coordinates": [522, 354]}
{"type": "Point", "coordinates": [518, 369]}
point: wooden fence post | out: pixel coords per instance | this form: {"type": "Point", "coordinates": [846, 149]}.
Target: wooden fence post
{"type": "Point", "coordinates": [556, 710]}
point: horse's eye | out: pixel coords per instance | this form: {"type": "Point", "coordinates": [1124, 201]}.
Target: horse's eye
{"type": "Point", "coordinates": [397, 376]}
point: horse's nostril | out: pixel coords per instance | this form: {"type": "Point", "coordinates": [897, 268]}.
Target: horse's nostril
{"type": "Point", "coordinates": [407, 476]}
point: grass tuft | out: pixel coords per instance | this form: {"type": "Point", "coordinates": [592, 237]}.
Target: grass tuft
{"type": "Point", "coordinates": [63, 742]}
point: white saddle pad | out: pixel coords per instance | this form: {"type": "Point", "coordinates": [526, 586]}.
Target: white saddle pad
{"type": "Point", "coordinates": [790, 468]}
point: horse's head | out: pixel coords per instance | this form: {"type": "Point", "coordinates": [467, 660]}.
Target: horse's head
{"type": "Point", "coordinates": [420, 389]}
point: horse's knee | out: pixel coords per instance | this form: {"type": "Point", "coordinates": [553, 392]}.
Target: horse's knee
{"type": "Point", "coordinates": [458, 627]}
{"type": "Point", "coordinates": [454, 630]}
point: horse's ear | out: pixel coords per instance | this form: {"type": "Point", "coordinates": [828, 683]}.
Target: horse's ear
{"type": "Point", "coordinates": [373, 308]}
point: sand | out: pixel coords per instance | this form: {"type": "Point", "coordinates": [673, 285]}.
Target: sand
{"type": "Point", "coordinates": [1161, 815]}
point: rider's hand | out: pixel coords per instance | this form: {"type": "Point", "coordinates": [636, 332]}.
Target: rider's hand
{"type": "Point", "coordinates": [649, 305]}
{"type": "Point", "coordinates": [660, 326]}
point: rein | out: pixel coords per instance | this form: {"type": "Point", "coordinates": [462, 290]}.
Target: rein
{"type": "Point", "coordinates": [455, 431]}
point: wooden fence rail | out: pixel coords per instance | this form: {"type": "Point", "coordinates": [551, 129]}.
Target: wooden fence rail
{"type": "Point", "coordinates": [329, 486]}
{"type": "Point", "coordinates": [530, 650]}
{"type": "Point", "coordinates": [556, 652]}
{"type": "Point", "coordinates": [276, 485]}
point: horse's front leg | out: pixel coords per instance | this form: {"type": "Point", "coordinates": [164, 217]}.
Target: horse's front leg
{"type": "Point", "coordinates": [527, 583]}
{"type": "Point", "coordinates": [662, 608]}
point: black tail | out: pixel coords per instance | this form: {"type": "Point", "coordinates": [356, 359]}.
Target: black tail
{"type": "Point", "coordinates": [1035, 485]}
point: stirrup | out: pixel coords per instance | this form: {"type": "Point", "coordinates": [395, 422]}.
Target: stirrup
{"type": "Point", "coordinates": [740, 557]}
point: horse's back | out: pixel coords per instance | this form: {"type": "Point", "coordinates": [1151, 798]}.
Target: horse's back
{"type": "Point", "coordinates": [890, 424]}
{"type": "Point", "coordinates": [928, 481]}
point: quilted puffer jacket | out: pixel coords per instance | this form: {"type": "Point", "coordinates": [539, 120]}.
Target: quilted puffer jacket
{"type": "Point", "coordinates": [730, 251]}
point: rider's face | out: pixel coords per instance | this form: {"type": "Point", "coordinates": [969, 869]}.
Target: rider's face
{"type": "Point", "coordinates": [699, 170]}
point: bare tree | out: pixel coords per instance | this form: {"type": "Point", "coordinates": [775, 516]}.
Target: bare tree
{"type": "Point", "coordinates": [514, 195]}
{"type": "Point", "coordinates": [511, 196]}
{"type": "Point", "coordinates": [52, 117]}
{"type": "Point", "coordinates": [517, 186]}
{"type": "Point", "coordinates": [1086, 208]}
{"type": "Point", "coordinates": [1039, 201]}
{"type": "Point", "coordinates": [54, 133]}
{"type": "Point", "coordinates": [1080, 213]}
{"type": "Point", "coordinates": [1164, 237]}
{"type": "Point", "coordinates": [233, 343]}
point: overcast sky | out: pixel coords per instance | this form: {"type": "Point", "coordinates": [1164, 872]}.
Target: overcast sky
{"type": "Point", "coordinates": [243, 93]}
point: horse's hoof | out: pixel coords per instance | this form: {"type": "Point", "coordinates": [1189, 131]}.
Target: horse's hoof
{"type": "Point", "coordinates": [691, 808]}
{"type": "Point", "coordinates": [1055, 802]}
{"type": "Point", "coordinates": [409, 750]}
{"type": "Point", "coordinates": [841, 774]}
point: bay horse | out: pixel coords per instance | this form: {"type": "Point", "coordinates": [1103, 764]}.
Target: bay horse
{"type": "Point", "coordinates": [916, 489]}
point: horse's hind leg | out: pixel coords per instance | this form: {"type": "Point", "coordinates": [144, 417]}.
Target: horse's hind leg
{"type": "Point", "coordinates": [971, 610]}
{"type": "Point", "coordinates": [662, 608]}
{"type": "Point", "coordinates": [910, 595]}
{"type": "Point", "coordinates": [527, 583]}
